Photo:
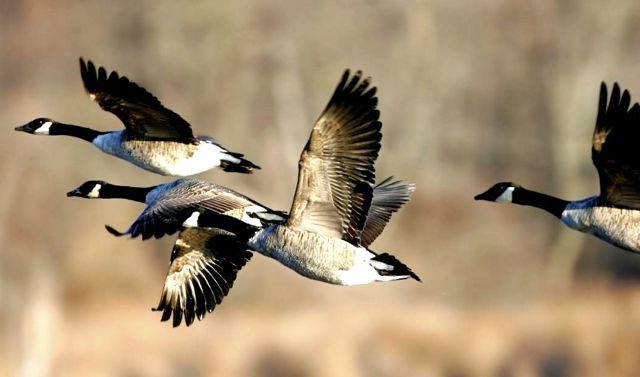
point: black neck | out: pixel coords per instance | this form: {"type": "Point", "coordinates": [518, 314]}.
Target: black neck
{"type": "Point", "coordinates": [551, 204]}
{"type": "Point", "coordinates": [137, 194]}
{"type": "Point", "coordinates": [83, 133]}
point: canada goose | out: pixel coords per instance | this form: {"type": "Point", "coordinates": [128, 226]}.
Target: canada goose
{"type": "Point", "coordinates": [186, 202]}
{"type": "Point", "coordinates": [324, 236]}
{"type": "Point", "coordinates": [204, 262]}
{"type": "Point", "coordinates": [173, 205]}
{"type": "Point", "coordinates": [614, 215]}
{"type": "Point", "coordinates": [155, 138]}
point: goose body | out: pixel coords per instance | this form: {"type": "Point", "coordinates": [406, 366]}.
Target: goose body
{"type": "Point", "coordinates": [618, 226]}
{"type": "Point", "coordinates": [326, 236]}
{"type": "Point", "coordinates": [318, 257]}
{"type": "Point", "coordinates": [614, 214]}
{"type": "Point", "coordinates": [166, 157]}
{"type": "Point", "coordinates": [155, 138]}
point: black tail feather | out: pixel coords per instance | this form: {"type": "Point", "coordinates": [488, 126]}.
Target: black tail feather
{"type": "Point", "coordinates": [244, 166]}
{"type": "Point", "coordinates": [399, 268]}
{"type": "Point", "coordinates": [210, 219]}
{"type": "Point", "coordinates": [115, 232]}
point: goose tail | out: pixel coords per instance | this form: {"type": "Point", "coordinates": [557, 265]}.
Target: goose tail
{"type": "Point", "coordinates": [390, 268]}
{"type": "Point", "coordinates": [236, 163]}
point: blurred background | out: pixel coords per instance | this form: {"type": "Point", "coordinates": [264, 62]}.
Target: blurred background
{"type": "Point", "coordinates": [471, 93]}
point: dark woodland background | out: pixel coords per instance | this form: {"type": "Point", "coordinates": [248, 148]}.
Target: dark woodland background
{"type": "Point", "coordinates": [471, 93]}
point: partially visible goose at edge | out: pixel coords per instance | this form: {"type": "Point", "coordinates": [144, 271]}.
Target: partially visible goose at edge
{"type": "Point", "coordinates": [205, 262]}
{"type": "Point", "coordinates": [155, 138]}
{"type": "Point", "coordinates": [323, 237]}
{"type": "Point", "coordinates": [614, 214]}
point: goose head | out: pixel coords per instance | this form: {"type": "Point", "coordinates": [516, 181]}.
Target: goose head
{"type": "Point", "coordinates": [500, 193]}
{"type": "Point", "coordinates": [88, 190]}
{"type": "Point", "coordinates": [39, 126]}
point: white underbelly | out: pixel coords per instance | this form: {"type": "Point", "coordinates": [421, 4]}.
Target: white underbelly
{"type": "Point", "coordinates": [164, 157]}
{"type": "Point", "coordinates": [206, 157]}
{"type": "Point", "coordinates": [320, 258]}
{"type": "Point", "coordinates": [618, 226]}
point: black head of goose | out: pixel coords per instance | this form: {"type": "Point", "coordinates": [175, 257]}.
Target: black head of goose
{"type": "Point", "coordinates": [331, 221]}
{"type": "Point", "coordinates": [614, 214]}
{"type": "Point", "coordinates": [104, 190]}
{"type": "Point", "coordinates": [155, 138]}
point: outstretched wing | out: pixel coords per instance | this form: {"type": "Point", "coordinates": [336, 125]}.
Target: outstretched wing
{"type": "Point", "coordinates": [142, 114]}
{"type": "Point", "coordinates": [204, 265]}
{"type": "Point", "coordinates": [171, 209]}
{"type": "Point", "coordinates": [336, 172]}
{"type": "Point", "coordinates": [388, 197]}
{"type": "Point", "coordinates": [615, 151]}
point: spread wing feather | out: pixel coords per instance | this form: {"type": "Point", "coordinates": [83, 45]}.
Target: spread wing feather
{"type": "Point", "coordinates": [388, 197]}
{"type": "Point", "coordinates": [204, 265]}
{"type": "Point", "coordinates": [142, 114]}
{"type": "Point", "coordinates": [167, 213]}
{"type": "Point", "coordinates": [336, 172]}
{"type": "Point", "coordinates": [615, 148]}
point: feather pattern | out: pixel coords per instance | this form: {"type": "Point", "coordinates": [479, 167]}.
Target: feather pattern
{"type": "Point", "coordinates": [169, 205]}
{"type": "Point", "coordinates": [204, 265]}
{"type": "Point", "coordinates": [388, 197]}
{"type": "Point", "coordinates": [336, 169]}
{"type": "Point", "coordinates": [142, 114]}
{"type": "Point", "coordinates": [614, 152]}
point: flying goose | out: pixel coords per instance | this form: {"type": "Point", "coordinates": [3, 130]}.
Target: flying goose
{"type": "Point", "coordinates": [205, 261]}
{"type": "Point", "coordinates": [155, 138]}
{"type": "Point", "coordinates": [614, 215]}
{"type": "Point", "coordinates": [324, 236]}
{"type": "Point", "coordinates": [173, 205]}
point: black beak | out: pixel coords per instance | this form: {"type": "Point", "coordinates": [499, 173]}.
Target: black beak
{"type": "Point", "coordinates": [22, 128]}
{"type": "Point", "coordinates": [483, 196]}
{"type": "Point", "coordinates": [75, 192]}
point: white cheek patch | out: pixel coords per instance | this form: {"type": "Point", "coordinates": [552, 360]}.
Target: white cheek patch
{"type": "Point", "coordinates": [44, 129]}
{"type": "Point", "coordinates": [192, 221]}
{"type": "Point", "coordinates": [506, 196]}
{"type": "Point", "coordinates": [95, 192]}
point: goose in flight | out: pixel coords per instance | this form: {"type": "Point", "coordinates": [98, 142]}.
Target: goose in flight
{"type": "Point", "coordinates": [174, 205]}
{"type": "Point", "coordinates": [614, 214]}
{"type": "Point", "coordinates": [325, 236]}
{"type": "Point", "coordinates": [155, 138]}
{"type": "Point", "coordinates": [205, 261]}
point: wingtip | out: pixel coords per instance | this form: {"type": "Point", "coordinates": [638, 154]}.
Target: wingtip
{"type": "Point", "coordinates": [113, 231]}
{"type": "Point", "coordinates": [603, 89]}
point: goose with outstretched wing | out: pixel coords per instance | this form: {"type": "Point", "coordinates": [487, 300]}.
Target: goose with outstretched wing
{"type": "Point", "coordinates": [155, 138]}
{"type": "Point", "coordinates": [614, 214]}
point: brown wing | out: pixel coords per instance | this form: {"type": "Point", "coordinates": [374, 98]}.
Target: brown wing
{"type": "Point", "coordinates": [388, 197]}
{"type": "Point", "coordinates": [142, 114]}
{"type": "Point", "coordinates": [204, 265]}
{"type": "Point", "coordinates": [615, 152]}
{"type": "Point", "coordinates": [336, 172]}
